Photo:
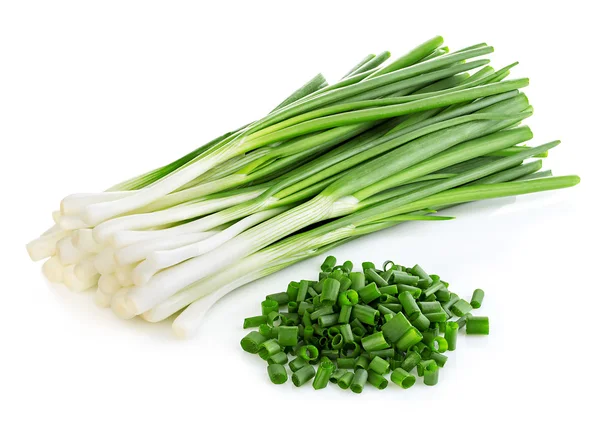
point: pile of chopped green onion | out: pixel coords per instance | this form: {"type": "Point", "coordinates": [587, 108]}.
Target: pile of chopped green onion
{"type": "Point", "coordinates": [357, 327]}
{"type": "Point", "coordinates": [391, 141]}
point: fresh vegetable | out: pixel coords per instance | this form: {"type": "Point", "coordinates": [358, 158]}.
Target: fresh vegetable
{"type": "Point", "coordinates": [390, 142]}
{"type": "Point", "coordinates": [373, 339]}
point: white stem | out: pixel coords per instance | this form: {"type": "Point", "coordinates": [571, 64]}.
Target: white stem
{"type": "Point", "coordinates": [105, 261]}
{"type": "Point", "coordinates": [128, 237]}
{"type": "Point", "coordinates": [143, 273]}
{"type": "Point", "coordinates": [73, 283]}
{"type": "Point", "coordinates": [187, 323]}
{"type": "Point", "coordinates": [109, 284]}
{"type": "Point", "coordinates": [169, 281]}
{"type": "Point", "coordinates": [166, 258]}
{"type": "Point", "coordinates": [71, 222]}
{"type": "Point", "coordinates": [124, 275]}
{"type": "Point", "coordinates": [45, 245]}
{"type": "Point", "coordinates": [119, 304]}
{"type": "Point", "coordinates": [53, 270]}
{"type": "Point", "coordinates": [84, 240]}
{"type": "Point", "coordinates": [274, 257]}
{"type": "Point", "coordinates": [75, 204]}
{"type": "Point", "coordinates": [85, 269]}
{"type": "Point", "coordinates": [101, 299]}
{"type": "Point", "coordinates": [67, 253]}
{"type": "Point", "coordinates": [97, 213]}
{"type": "Point", "coordinates": [138, 252]}
{"type": "Point", "coordinates": [105, 230]}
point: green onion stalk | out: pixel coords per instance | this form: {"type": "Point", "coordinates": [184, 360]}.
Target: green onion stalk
{"type": "Point", "coordinates": [392, 141]}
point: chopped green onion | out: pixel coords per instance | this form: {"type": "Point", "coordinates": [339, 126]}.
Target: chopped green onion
{"type": "Point", "coordinates": [252, 341]}
{"type": "Point", "coordinates": [337, 375]}
{"type": "Point", "coordinates": [395, 328]}
{"type": "Point", "coordinates": [365, 314]}
{"type": "Point", "coordinates": [345, 381]}
{"type": "Point", "coordinates": [254, 321]}
{"type": "Point", "coordinates": [409, 305]}
{"type": "Point", "coordinates": [268, 348]}
{"type": "Point", "coordinates": [375, 279]}
{"type": "Point", "coordinates": [357, 279]}
{"type": "Point", "coordinates": [379, 365]}
{"type": "Point", "coordinates": [477, 298]}
{"type": "Point", "coordinates": [361, 362]}
{"type": "Point", "coordinates": [310, 353]}
{"type": "Point", "coordinates": [376, 341]}
{"type": "Point", "coordinates": [410, 338]}
{"type": "Point", "coordinates": [297, 363]}
{"type": "Point", "coordinates": [369, 293]}
{"type": "Point", "coordinates": [346, 362]}
{"type": "Point", "coordinates": [344, 316]}
{"type": "Point", "coordinates": [451, 335]}
{"type": "Point", "coordinates": [292, 291]}
{"type": "Point", "coordinates": [331, 288]}
{"type": "Point", "coordinates": [269, 306]}
{"type": "Point", "coordinates": [302, 375]}
{"type": "Point", "coordinates": [281, 298]}
{"type": "Point", "coordinates": [461, 308]}
{"type": "Point", "coordinates": [402, 278]}
{"type": "Point", "coordinates": [348, 298]}
{"type": "Point", "coordinates": [328, 320]}
{"type": "Point", "coordinates": [324, 372]}
{"type": "Point", "coordinates": [478, 325]}
{"type": "Point", "coordinates": [328, 264]}
{"type": "Point", "coordinates": [358, 381]}
{"type": "Point", "coordinates": [420, 321]}
{"type": "Point", "coordinates": [403, 378]}
{"type": "Point", "coordinates": [277, 373]}
{"type": "Point", "coordinates": [413, 290]}
{"type": "Point", "coordinates": [437, 316]}
{"type": "Point", "coordinates": [287, 335]}
{"type": "Point", "coordinates": [377, 380]}
{"type": "Point", "coordinates": [431, 376]}
{"type": "Point", "coordinates": [439, 358]}
{"type": "Point", "coordinates": [278, 358]}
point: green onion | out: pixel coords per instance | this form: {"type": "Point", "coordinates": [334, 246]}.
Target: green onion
{"type": "Point", "coordinates": [269, 306]}
{"type": "Point", "coordinates": [252, 341]}
{"type": "Point", "coordinates": [287, 336]}
{"type": "Point", "coordinates": [302, 375]}
{"type": "Point", "coordinates": [477, 298]}
{"type": "Point", "coordinates": [277, 373]}
{"type": "Point", "coordinates": [330, 292]}
{"type": "Point", "coordinates": [478, 325]}
{"type": "Point", "coordinates": [337, 375]}
{"type": "Point", "coordinates": [254, 321]}
{"type": "Point", "coordinates": [268, 348]}
{"type": "Point", "coordinates": [377, 380]}
{"type": "Point", "coordinates": [358, 381]}
{"type": "Point", "coordinates": [369, 293]}
{"type": "Point", "coordinates": [402, 378]}
{"type": "Point", "coordinates": [379, 365]}
{"type": "Point", "coordinates": [346, 380]}
{"type": "Point", "coordinates": [451, 335]}
{"type": "Point", "coordinates": [324, 372]}
{"type": "Point", "coordinates": [297, 363]}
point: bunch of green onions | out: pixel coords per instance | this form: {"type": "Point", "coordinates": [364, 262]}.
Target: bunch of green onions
{"type": "Point", "coordinates": [390, 142]}
{"type": "Point", "coordinates": [358, 326]}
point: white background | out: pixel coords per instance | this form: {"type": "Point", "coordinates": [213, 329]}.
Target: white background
{"type": "Point", "coordinates": [94, 92]}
